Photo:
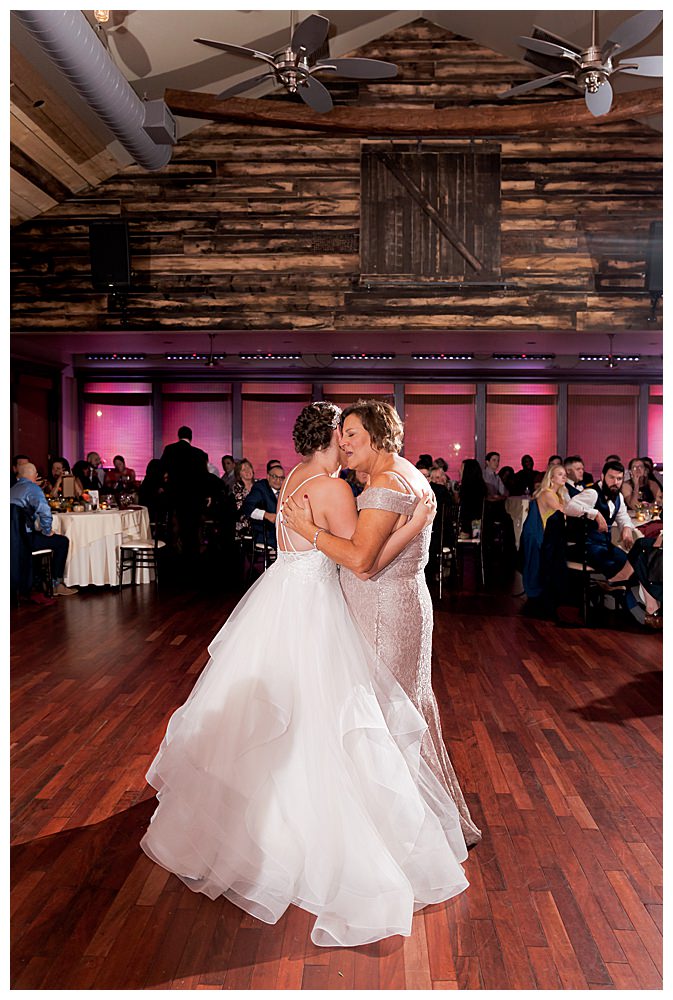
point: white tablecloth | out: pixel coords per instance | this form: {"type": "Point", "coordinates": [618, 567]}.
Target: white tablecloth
{"type": "Point", "coordinates": [517, 508]}
{"type": "Point", "coordinates": [95, 538]}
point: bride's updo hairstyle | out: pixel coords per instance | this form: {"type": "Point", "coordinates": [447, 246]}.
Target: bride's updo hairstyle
{"type": "Point", "coordinates": [314, 427]}
{"type": "Point", "coordinates": [380, 420]}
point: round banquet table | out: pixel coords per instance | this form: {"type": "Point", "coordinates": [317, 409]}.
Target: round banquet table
{"type": "Point", "coordinates": [517, 508]}
{"type": "Point", "coordinates": [95, 538]}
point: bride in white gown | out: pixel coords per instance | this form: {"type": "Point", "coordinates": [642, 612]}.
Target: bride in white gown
{"type": "Point", "coordinates": [292, 773]}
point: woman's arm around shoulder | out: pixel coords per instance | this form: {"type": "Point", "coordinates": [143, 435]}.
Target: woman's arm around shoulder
{"type": "Point", "coordinates": [333, 506]}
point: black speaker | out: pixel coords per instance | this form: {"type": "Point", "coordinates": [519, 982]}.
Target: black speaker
{"type": "Point", "coordinates": [654, 269]}
{"type": "Point", "coordinates": [109, 253]}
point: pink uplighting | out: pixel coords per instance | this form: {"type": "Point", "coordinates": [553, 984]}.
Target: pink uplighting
{"type": "Point", "coordinates": [436, 418]}
{"type": "Point", "coordinates": [269, 414]}
{"type": "Point", "coordinates": [521, 420]}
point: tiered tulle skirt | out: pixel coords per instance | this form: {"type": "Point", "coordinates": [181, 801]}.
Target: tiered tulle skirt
{"type": "Point", "coordinates": [293, 774]}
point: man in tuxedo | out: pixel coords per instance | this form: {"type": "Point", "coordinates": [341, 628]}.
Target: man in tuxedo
{"type": "Point", "coordinates": [577, 479]}
{"type": "Point", "coordinates": [186, 468]}
{"type": "Point", "coordinates": [261, 503]}
{"type": "Point", "coordinates": [604, 505]}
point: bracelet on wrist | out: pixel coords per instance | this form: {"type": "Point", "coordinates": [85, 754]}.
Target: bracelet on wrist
{"type": "Point", "coordinates": [315, 537]}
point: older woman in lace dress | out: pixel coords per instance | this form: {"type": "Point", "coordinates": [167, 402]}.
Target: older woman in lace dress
{"type": "Point", "coordinates": [392, 607]}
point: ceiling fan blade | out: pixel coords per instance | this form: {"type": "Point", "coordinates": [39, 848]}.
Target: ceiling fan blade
{"type": "Point", "coordinates": [644, 66]}
{"type": "Point", "coordinates": [548, 48]}
{"type": "Point", "coordinates": [315, 95]}
{"type": "Point", "coordinates": [358, 69]}
{"type": "Point", "coordinates": [238, 88]}
{"type": "Point", "coordinates": [235, 50]}
{"type": "Point", "coordinates": [310, 34]}
{"type": "Point", "coordinates": [630, 32]}
{"type": "Point", "coordinates": [600, 102]}
{"type": "Point", "coordinates": [534, 84]}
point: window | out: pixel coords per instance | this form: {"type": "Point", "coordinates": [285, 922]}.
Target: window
{"type": "Point", "coordinates": [431, 215]}
{"type": "Point", "coordinates": [602, 420]}
{"type": "Point", "coordinates": [439, 421]}
{"type": "Point", "coordinates": [118, 421]}
{"type": "Point", "coordinates": [521, 420]}
{"type": "Point", "coordinates": [203, 406]}
{"type": "Point", "coordinates": [269, 413]}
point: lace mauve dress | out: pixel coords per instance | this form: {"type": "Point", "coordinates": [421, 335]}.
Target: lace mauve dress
{"type": "Point", "coordinates": [394, 612]}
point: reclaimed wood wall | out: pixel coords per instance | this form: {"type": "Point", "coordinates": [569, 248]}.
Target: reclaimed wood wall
{"type": "Point", "coordinates": [259, 228]}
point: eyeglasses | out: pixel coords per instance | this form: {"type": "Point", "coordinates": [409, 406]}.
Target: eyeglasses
{"type": "Point", "coordinates": [276, 475]}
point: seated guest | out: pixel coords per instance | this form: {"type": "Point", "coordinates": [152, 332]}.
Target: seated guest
{"type": "Point", "coordinates": [643, 486]}
{"type": "Point", "coordinates": [507, 476]}
{"type": "Point", "coordinates": [58, 467]}
{"type": "Point", "coordinates": [356, 480]}
{"type": "Point", "coordinates": [152, 490]}
{"type": "Point", "coordinates": [120, 479]}
{"type": "Point", "coordinates": [554, 460]}
{"type": "Point", "coordinates": [442, 525]}
{"type": "Point", "coordinates": [616, 458]}
{"type": "Point", "coordinates": [229, 473]}
{"type": "Point", "coordinates": [15, 474]}
{"type": "Point", "coordinates": [646, 564]}
{"type": "Point", "coordinates": [543, 544]}
{"type": "Point", "coordinates": [96, 463]}
{"type": "Point", "coordinates": [85, 477]}
{"type": "Point", "coordinates": [578, 479]}
{"type": "Point", "coordinates": [244, 479]}
{"type": "Point", "coordinates": [603, 503]}
{"type": "Point", "coordinates": [425, 459]}
{"type": "Point", "coordinates": [424, 466]}
{"type": "Point", "coordinates": [220, 508]}
{"type": "Point", "coordinates": [438, 476]}
{"type": "Point", "coordinates": [494, 484]}
{"type": "Point", "coordinates": [658, 474]}
{"type": "Point", "coordinates": [261, 503]}
{"type": "Point", "coordinates": [527, 478]}
{"type": "Point", "coordinates": [471, 493]}
{"type": "Point", "coordinates": [28, 496]}
{"type": "Point", "coordinates": [442, 463]}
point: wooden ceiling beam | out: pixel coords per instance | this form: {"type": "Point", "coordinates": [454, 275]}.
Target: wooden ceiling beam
{"type": "Point", "coordinates": [492, 119]}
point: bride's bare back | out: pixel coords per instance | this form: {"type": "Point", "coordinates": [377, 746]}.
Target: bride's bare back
{"type": "Point", "coordinates": [332, 503]}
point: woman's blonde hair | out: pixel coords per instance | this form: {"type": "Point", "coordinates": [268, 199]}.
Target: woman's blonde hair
{"type": "Point", "coordinates": [546, 484]}
{"type": "Point", "coordinates": [380, 420]}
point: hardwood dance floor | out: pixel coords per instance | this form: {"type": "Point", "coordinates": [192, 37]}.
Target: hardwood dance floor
{"type": "Point", "coordinates": [555, 734]}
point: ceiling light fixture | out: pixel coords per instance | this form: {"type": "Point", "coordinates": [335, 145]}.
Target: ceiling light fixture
{"type": "Point", "coordinates": [608, 357]}
{"type": "Point", "coordinates": [270, 357]}
{"type": "Point", "coordinates": [116, 357]}
{"type": "Point", "coordinates": [194, 357]}
{"type": "Point", "coordinates": [523, 357]}
{"type": "Point", "coordinates": [363, 357]}
{"type": "Point", "coordinates": [443, 357]}
{"type": "Point", "coordinates": [102, 16]}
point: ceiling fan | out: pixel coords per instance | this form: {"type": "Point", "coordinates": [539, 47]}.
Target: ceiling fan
{"type": "Point", "coordinates": [590, 69]}
{"type": "Point", "coordinates": [290, 66]}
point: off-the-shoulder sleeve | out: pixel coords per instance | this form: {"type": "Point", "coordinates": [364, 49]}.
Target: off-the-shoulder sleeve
{"type": "Point", "coordinates": [380, 498]}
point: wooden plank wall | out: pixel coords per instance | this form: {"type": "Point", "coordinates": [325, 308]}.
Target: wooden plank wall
{"type": "Point", "coordinates": [259, 229]}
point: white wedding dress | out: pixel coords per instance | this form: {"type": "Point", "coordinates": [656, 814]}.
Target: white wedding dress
{"type": "Point", "coordinates": [293, 774]}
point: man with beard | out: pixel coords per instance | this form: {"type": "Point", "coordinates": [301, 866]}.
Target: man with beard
{"type": "Point", "coordinates": [605, 501]}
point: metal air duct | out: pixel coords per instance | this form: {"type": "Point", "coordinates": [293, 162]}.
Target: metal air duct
{"type": "Point", "coordinates": [71, 43]}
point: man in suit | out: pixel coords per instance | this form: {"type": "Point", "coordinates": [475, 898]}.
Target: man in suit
{"type": "Point", "coordinates": [604, 505]}
{"type": "Point", "coordinates": [527, 478]}
{"type": "Point", "coordinates": [261, 503]}
{"type": "Point", "coordinates": [577, 479]}
{"type": "Point", "coordinates": [186, 468]}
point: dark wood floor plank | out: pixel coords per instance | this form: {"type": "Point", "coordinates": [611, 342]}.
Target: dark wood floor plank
{"type": "Point", "coordinates": [555, 734]}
